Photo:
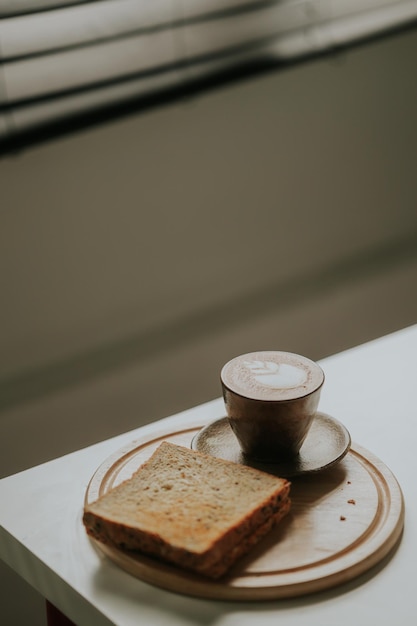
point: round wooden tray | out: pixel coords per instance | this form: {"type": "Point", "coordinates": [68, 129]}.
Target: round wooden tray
{"type": "Point", "coordinates": [343, 521]}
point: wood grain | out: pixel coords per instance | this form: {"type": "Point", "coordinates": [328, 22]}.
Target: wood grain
{"type": "Point", "coordinates": [343, 522]}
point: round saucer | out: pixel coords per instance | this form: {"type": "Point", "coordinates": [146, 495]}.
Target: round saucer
{"type": "Point", "coordinates": [327, 443]}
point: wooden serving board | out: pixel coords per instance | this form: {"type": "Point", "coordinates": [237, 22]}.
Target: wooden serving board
{"type": "Point", "coordinates": [343, 521]}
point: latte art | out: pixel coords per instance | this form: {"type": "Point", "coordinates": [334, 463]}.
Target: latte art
{"type": "Point", "coordinates": [271, 375]}
{"type": "Point", "coordinates": [277, 375]}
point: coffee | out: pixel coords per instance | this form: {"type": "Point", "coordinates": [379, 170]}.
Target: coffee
{"type": "Point", "coordinates": [269, 375]}
{"type": "Point", "coordinates": [271, 399]}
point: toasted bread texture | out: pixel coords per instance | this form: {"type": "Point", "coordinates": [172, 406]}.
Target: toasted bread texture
{"type": "Point", "coordinates": [189, 509]}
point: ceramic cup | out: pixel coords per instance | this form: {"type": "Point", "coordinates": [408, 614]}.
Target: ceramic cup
{"type": "Point", "coordinates": [271, 399]}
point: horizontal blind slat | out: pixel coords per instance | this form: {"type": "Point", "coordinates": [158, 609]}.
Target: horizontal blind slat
{"type": "Point", "coordinates": [63, 64]}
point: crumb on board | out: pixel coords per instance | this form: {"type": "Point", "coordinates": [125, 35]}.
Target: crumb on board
{"type": "Point", "coordinates": [349, 482]}
{"type": "Point", "coordinates": [342, 518]}
{"type": "Point", "coordinates": [351, 501]}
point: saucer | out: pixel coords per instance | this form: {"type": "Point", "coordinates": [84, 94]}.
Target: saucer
{"type": "Point", "coordinates": [327, 443]}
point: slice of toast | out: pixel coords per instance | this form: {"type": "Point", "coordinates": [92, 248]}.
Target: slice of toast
{"type": "Point", "coordinates": [190, 509]}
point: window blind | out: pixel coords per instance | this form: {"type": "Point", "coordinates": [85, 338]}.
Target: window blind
{"type": "Point", "coordinates": [68, 63]}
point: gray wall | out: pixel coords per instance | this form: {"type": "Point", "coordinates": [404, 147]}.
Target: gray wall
{"type": "Point", "coordinates": [136, 258]}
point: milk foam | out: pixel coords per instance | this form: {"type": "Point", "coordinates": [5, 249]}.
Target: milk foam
{"type": "Point", "coordinates": [277, 375]}
{"type": "Point", "coordinates": [272, 375]}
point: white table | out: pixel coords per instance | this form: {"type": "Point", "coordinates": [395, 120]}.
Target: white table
{"type": "Point", "coordinates": [371, 389]}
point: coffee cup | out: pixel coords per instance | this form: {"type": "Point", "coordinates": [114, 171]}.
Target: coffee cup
{"type": "Point", "coordinates": [271, 398]}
